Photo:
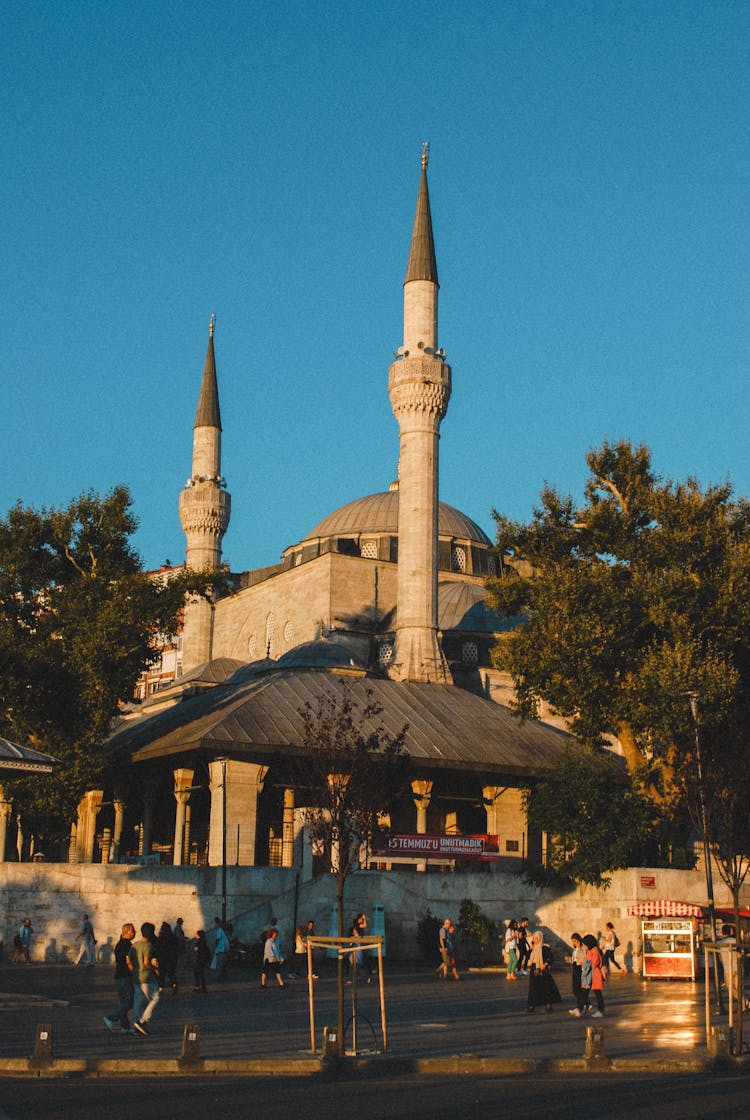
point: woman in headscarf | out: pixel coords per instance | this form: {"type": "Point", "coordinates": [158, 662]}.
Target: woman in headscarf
{"type": "Point", "coordinates": [575, 960]}
{"type": "Point", "coordinates": [593, 974]}
{"type": "Point", "coordinates": [542, 986]}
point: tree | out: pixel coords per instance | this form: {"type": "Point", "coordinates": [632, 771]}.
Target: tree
{"type": "Point", "coordinates": [630, 601]}
{"type": "Point", "coordinates": [354, 771]}
{"type": "Point", "coordinates": [716, 781]}
{"type": "Point", "coordinates": [595, 819]}
{"type": "Point", "coordinates": [78, 620]}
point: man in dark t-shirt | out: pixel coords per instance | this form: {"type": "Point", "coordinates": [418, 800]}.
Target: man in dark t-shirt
{"type": "Point", "coordinates": [125, 964]}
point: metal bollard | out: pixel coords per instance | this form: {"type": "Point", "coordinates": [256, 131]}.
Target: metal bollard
{"type": "Point", "coordinates": [718, 1042]}
{"type": "Point", "coordinates": [191, 1045]}
{"type": "Point", "coordinates": [594, 1043]}
{"type": "Point", "coordinates": [330, 1044]}
{"type": "Point", "coordinates": [42, 1055]}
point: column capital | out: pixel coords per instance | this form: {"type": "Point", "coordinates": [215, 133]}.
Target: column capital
{"type": "Point", "coordinates": [422, 791]}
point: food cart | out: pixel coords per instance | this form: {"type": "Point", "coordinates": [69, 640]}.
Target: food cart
{"type": "Point", "coordinates": [669, 938]}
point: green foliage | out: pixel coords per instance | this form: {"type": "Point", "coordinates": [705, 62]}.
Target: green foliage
{"type": "Point", "coordinates": [476, 926]}
{"type": "Point", "coordinates": [596, 820]}
{"type": "Point", "coordinates": [428, 928]}
{"type": "Point", "coordinates": [630, 601]}
{"type": "Point", "coordinates": [78, 617]}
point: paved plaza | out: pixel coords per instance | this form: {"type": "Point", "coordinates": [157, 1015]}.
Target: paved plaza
{"type": "Point", "coordinates": [482, 1017]}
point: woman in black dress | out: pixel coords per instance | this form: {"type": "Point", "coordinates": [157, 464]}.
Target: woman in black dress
{"type": "Point", "coordinates": [542, 987]}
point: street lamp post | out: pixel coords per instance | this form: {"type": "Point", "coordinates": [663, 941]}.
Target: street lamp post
{"type": "Point", "coordinates": [223, 762]}
{"type": "Point", "coordinates": [693, 699]}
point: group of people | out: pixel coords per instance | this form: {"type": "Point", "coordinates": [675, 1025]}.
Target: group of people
{"type": "Point", "coordinates": [590, 962]}
{"type": "Point", "coordinates": [273, 958]}
{"type": "Point", "coordinates": [146, 967]}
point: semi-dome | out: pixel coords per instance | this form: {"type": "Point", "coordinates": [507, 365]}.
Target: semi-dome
{"type": "Point", "coordinates": [378, 513]}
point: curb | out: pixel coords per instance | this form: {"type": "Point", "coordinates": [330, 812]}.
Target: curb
{"type": "Point", "coordinates": [383, 1065]}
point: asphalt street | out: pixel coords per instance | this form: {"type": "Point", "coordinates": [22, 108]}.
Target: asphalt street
{"type": "Point", "coordinates": [482, 1015]}
{"type": "Point", "coordinates": [586, 1097]}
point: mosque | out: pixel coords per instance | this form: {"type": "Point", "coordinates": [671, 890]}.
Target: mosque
{"type": "Point", "coordinates": [384, 596]}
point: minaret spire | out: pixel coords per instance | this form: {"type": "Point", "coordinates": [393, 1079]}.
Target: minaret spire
{"type": "Point", "coordinates": [205, 508]}
{"type": "Point", "coordinates": [208, 414]}
{"type": "Point", "coordinates": [422, 264]}
{"type": "Point", "coordinates": [419, 385]}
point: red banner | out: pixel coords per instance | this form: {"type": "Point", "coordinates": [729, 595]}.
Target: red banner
{"type": "Point", "coordinates": [477, 847]}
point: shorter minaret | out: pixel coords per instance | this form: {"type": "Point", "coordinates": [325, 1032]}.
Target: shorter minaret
{"type": "Point", "coordinates": [419, 385]}
{"type": "Point", "coordinates": [205, 507]}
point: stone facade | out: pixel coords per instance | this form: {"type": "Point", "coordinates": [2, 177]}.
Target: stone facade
{"type": "Point", "coordinates": [55, 895]}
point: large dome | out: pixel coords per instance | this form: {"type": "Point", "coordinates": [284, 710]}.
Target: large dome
{"type": "Point", "coordinates": [378, 513]}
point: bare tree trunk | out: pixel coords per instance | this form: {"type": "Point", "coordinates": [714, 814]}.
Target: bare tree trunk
{"type": "Point", "coordinates": [340, 965]}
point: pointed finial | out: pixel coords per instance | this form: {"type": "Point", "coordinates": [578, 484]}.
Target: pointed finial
{"type": "Point", "coordinates": [425, 153]}
{"type": "Point", "coordinates": [211, 325]}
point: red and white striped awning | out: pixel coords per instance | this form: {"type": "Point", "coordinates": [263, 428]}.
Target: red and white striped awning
{"type": "Point", "coordinates": [666, 908]}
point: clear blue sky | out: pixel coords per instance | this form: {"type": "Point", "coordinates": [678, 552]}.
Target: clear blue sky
{"type": "Point", "coordinates": [590, 177]}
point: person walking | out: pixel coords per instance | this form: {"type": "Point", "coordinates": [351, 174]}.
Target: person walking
{"type": "Point", "coordinates": [201, 959]}
{"type": "Point", "coordinates": [446, 944]}
{"type": "Point", "coordinates": [310, 932]}
{"type": "Point", "coordinates": [593, 974]}
{"type": "Point", "coordinates": [221, 950]}
{"type": "Point", "coordinates": [22, 943]}
{"type": "Point", "coordinates": [357, 932]}
{"type": "Point", "coordinates": [300, 955]}
{"type": "Point", "coordinates": [88, 942]}
{"type": "Point", "coordinates": [511, 950]}
{"type": "Point", "coordinates": [181, 941]}
{"type": "Point", "coordinates": [608, 942]}
{"type": "Point", "coordinates": [167, 951]}
{"type": "Point", "coordinates": [271, 959]}
{"type": "Point", "coordinates": [575, 960]}
{"type": "Point", "coordinates": [524, 946]}
{"type": "Point", "coordinates": [542, 986]}
{"type": "Point", "coordinates": [125, 970]}
{"type": "Point", "coordinates": [147, 991]}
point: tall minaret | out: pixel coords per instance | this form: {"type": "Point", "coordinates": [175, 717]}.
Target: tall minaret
{"type": "Point", "coordinates": [205, 506]}
{"type": "Point", "coordinates": [419, 385]}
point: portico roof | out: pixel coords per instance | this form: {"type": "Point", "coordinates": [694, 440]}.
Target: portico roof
{"type": "Point", "coordinates": [261, 719]}
{"type": "Point", "coordinates": [21, 760]}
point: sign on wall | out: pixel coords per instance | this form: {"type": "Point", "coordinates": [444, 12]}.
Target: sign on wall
{"type": "Point", "coordinates": [480, 846]}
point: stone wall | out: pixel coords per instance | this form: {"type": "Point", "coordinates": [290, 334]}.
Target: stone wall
{"type": "Point", "coordinates": [55, 895]}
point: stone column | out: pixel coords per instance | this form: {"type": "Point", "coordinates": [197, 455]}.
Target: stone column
{"type": "Point", "coordinates": [88, 811]}
{"type": "Point", "coordinates": [490, 798]}
{"type": "Point", "coordinates": [287, 834]}
{"type": "Point", "coordinates": [114, 851]}
{"type": "Point", "coordinates": [106, 844]}
{"type": "Point", "coordinates": [422, 791]}
{"type": "Point", "coordinates": [6, 807]}
{"type": "Point", "coordinates": [183, 781]}
{"type": "Point", "coordinates": [19, 838]}
{"type": "Point", "coordinates": [147, 824]}
{"type": "Point", "coordinates": [73, 843]}
{"type": "Point", "coordinates": [451, 823]}
{"type": "Point", "coordinates": [244, 785]}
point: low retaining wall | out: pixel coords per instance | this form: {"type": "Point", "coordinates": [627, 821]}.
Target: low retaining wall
{"type": "Point", "coordinates": [55, 895]}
